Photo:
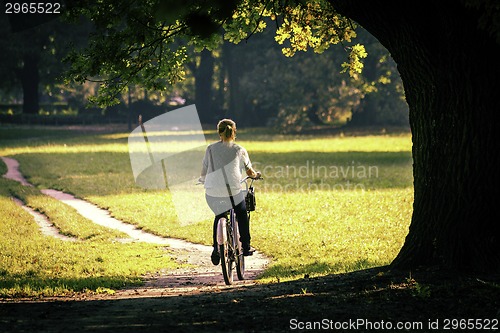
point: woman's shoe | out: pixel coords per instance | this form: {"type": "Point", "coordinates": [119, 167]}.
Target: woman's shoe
{"type": "Point", "coordinates": [248, 251]}
{"type": "Point", "coordinates": [215, 257]}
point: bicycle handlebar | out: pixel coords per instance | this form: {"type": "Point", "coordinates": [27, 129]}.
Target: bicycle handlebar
{"type": "Point", "coordinates": [252, 178]}
{"type": "Point", "coordinates": [241, 181]}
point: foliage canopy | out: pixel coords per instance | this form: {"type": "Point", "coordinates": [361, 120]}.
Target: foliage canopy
{"type": "Point", "coordinates": [145, 43]}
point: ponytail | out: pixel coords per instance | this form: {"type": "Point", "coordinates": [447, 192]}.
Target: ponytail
{"type": "Point", "coordinates": [227, 129]}
{"type": "Point", "coordinates": [228, 132]}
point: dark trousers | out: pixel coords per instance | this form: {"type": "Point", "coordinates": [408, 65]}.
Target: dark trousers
{"type": "Point", "coordinates": [241, 215]}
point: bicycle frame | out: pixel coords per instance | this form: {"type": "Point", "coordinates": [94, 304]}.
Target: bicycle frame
{"type": "Point", "coordinates": [222, 234]}
{"type": "Point", "coordinates": [225, 228]}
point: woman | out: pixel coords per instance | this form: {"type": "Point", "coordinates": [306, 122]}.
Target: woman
{"type": "Point", "coordinates": [221, 173]}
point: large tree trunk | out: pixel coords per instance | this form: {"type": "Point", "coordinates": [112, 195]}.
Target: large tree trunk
{"type": "Point", "coordinates": [30, 80]}
{"type": "Point", "coordinates": [236, 97]}
{"type": "Point", "coordinates": [451, 75]}
{"type": "Point", "coordinates": [203, 87]}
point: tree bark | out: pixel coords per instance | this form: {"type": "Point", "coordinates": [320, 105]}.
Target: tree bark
{"type": "Point", "coordinates": [236, 98]}
{"type": "Point", "coordinates": [30, 80]}
{"type": "Point", "coordinates": [203, 87]}
{"type": "Point", "coordinates": [451, 75]}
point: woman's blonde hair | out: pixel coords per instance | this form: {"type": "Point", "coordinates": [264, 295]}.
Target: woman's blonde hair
{"type": "Point", "coordinates": [227, 128]}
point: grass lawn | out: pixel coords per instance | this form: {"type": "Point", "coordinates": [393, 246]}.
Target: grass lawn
{"type": "Point", "coordinates": [328, 204]}
{"type": "Point", "coordinates": [35, 265]}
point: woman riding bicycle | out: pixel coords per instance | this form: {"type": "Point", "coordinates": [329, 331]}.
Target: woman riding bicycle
{"type": "Point", "coordinates": [221, 173]}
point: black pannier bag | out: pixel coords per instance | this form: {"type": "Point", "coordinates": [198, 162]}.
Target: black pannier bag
{"type": "Point", "coordinates": [250, 199]}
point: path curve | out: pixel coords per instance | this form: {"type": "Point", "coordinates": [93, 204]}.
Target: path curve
{"type": "Point", "coordinates": [103, 218]}
{"type": "Point", "coordinates": [13, 171]}
{"type": "Point", "coordinates": [46, 227]}
{"type": "Point", "coordinates": [200, 276]}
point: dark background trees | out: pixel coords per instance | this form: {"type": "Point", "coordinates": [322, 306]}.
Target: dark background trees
{"type": "Point", "coordinates": [244, 81]}
{"type": "Point", "coordinates": [20, 62]}
{"type": "Point", "coordinates": [308, 89]}
{"type": "Point", "coordinates": [31, 59]}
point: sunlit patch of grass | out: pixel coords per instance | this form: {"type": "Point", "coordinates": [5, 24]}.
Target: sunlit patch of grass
{"type": "Point", "coordinates": [370, 143]}
{"type": "Point", "coordinates": [330, 232]}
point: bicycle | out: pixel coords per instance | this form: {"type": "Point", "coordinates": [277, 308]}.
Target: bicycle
{"type": "Point", "coordinates": [228, 240]}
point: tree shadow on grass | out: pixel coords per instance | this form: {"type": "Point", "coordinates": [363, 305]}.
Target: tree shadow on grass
{"type": "Point", "coordinates": [361, 301]}
{"type": "Point", "coordinates": [278, 272]}
{"type": "Point", "coordinates": [33, 284]}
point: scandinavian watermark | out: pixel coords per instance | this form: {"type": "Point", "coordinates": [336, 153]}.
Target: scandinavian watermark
{"type": "Point", "coordinates": [312, 176]}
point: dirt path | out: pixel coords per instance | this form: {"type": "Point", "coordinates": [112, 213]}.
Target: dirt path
{"type": "Point", "coordinates": [46, 227]}
{"type": "Point", "coordinates": [13, 171]}
{"type": "Point", "coordinates": [201, 276]}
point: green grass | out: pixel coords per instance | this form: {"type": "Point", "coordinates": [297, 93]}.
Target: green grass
{"type": "Point", "coordinates": [33, 265]}
{"type": "Point", "coordinates": [328, 203]}
{"type": "Point", "coordinates": [331, 232]}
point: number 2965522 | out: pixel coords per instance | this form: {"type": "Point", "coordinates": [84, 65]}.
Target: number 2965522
{"type": "Point", "coordinates": [32, 8]}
